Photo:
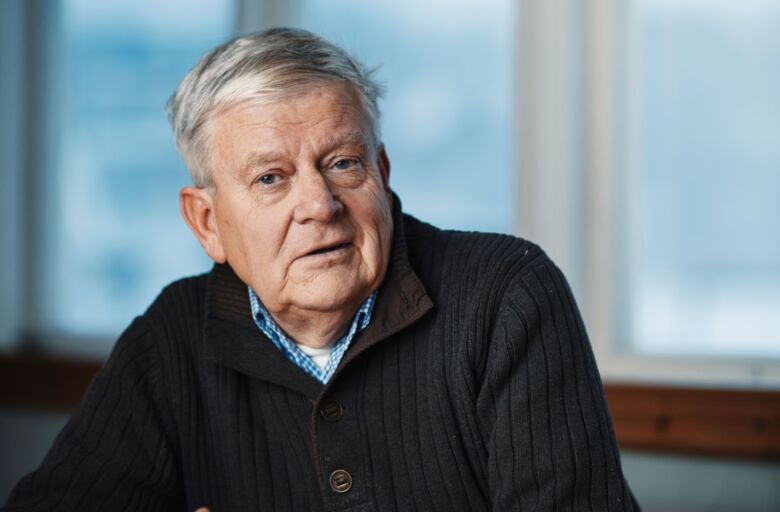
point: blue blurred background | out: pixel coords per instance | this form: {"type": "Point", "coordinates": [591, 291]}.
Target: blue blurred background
{"type": "Point", "coordinates": [479, 128]}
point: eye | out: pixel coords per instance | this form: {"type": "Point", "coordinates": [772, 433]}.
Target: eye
{"type": "Point", "coordinates": [268, 180]}
{"type": "Point", "coordinates": [345, 164]}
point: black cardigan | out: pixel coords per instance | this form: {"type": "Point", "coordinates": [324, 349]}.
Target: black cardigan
{"type": "Point", "coordinates": [473, 388]}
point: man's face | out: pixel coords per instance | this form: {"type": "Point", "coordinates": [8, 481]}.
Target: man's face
{"type": "Point", "coordinates": [301, 208]}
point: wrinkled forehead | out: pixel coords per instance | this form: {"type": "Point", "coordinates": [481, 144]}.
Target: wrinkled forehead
{"type": "Point", "coordinates": [338, 104]}
{"type": "Point", "coordinates": [316, 121]}
{"type": "Point", "coordinates": [248, 90]}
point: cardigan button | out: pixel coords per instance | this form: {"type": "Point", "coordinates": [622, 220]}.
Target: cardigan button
{"type": "Point", "coordinates": [331, 410]}
{"type": "Point", "coordinates": [340, 481]}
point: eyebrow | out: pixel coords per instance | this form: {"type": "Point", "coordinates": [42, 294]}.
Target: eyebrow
{"type": "Point", "coordinates": [258, 159]}
{"type": "Point", "coordinates": [355, 137]}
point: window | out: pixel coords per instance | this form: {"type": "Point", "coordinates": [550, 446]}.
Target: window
{"type": "Point", "coordinates": [108, 186]}
{"type": "Point", "coordinates": [703, 229]}
{"type": "Point", "coordinates": [649, 171]}
{"type": "Point", "coordinates": [635, 141]}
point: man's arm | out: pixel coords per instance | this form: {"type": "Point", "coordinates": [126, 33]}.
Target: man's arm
{"type": "Point", "coordinates": [546, 425]}
{"type": "Point", "coordinates": [114, 453]}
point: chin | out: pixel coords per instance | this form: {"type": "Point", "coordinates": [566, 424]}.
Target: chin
{"type": "Point", "coordinates": [333, 296]}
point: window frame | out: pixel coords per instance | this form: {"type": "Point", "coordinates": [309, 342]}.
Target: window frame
{"type": "Point", "coordinates": [29, 46]}
{"type": "Point", "coordinates": [13, 100]}
{"type": "Point", "coordinates": [570, 179]}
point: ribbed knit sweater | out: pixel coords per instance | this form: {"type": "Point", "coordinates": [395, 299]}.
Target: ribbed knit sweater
{"type": "Point", "coordinates": [473, 388]}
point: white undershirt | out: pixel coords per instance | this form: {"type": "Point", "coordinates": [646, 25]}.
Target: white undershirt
{"type": "Point", "coordinates": [320, 356]}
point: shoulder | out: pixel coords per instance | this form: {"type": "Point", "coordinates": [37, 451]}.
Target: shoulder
{"type": "Point", "coordinates": [478, 261]}
{"type": "Point", "coordinates": [166, 337]}
{"type": "Point", "coordinates": [179, 309]}
{"type": "Point", "coordinates": [183, 296]}
{"type": "Point", "coordinates": [487, 287]}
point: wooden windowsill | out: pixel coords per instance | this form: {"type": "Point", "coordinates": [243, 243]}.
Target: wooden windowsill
{"type": "Point", "coordinates": [692, 421]}
{"type": "Point", "coordinates": [710, 422]}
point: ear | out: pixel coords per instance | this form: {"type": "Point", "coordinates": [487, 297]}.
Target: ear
{"type": "Point", "coordinates": [384, 166]}
{"type": "Point", "coordinates": [197, 208]}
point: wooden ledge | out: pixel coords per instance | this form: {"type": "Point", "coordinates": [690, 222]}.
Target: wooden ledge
{"type": "Point", "coordinates": [44, 383]}
{"type": "Point", "coordinates": [710, 422]}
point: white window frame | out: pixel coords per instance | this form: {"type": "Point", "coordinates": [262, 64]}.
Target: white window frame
{"type": "Point", "coordinates": [575, 136]}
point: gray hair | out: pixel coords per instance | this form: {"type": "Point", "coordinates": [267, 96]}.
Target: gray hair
{"type": "Point", "coordinates": [263, 67]}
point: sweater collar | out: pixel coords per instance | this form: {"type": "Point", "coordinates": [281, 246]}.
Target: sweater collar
{"type": "Point", "coordinates": [233, 340]}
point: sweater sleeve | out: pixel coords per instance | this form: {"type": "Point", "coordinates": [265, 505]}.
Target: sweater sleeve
{"type": "Point", "coordinates": [113, 454]}
{"type": "Point", "coordinates": [546, 427]}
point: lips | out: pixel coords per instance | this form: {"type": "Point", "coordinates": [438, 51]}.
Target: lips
{"type": "Point", "coordinates": [327, 249]}
{"type": "Point", "coordinates": [324, 250]}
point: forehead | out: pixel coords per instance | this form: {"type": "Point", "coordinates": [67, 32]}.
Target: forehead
{"type": "Point", "coordinates": [315, 112]}
{"type": "Point", "coordinates": [305, 125]}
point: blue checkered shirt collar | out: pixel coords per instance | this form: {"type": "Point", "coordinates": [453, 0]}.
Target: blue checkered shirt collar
{"type": "Point", "coordinates": [289, 348]}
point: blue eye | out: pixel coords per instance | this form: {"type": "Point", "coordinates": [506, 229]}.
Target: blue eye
{"type": "Point", "coordinates": [268, 179]}
{"type": "Point", "coordinates": [345, 164]}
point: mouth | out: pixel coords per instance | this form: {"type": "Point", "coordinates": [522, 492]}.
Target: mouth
{"type": "Point", "coordinates": [330, 249]}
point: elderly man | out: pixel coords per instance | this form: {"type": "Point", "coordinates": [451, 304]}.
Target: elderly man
{"type": "Point", "coordinates": [340, 355]}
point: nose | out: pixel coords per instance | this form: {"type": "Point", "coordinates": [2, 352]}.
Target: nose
{"type": "Point", "coordinates": [316, 201]}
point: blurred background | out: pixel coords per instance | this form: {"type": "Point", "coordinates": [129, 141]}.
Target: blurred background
{"type": "Point", "coordinates": [638, 141]}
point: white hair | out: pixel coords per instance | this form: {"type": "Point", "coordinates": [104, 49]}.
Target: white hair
{"type": "Point", "coordinates": [263, 67]}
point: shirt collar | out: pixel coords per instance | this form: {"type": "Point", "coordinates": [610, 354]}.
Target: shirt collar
{"type": "Point", "coordinates": [293, 352]}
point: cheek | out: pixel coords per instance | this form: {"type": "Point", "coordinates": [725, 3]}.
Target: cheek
{"type": "Point", "coordinates": [263, 242]}
{"type": "Point", "coordinates": [374, 215]}
{"type": "Point", "coordinates": [249, 238]}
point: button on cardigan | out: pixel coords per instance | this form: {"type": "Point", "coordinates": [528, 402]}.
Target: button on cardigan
{"type": "Point", "coordinates": [473, 388]}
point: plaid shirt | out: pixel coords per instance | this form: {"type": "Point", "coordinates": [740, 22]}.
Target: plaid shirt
{"type": "Point", "coordinates": [290, 349]}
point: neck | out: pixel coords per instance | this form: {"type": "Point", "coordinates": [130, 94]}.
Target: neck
{"type": "Point", "coordinates": [315, 329]}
